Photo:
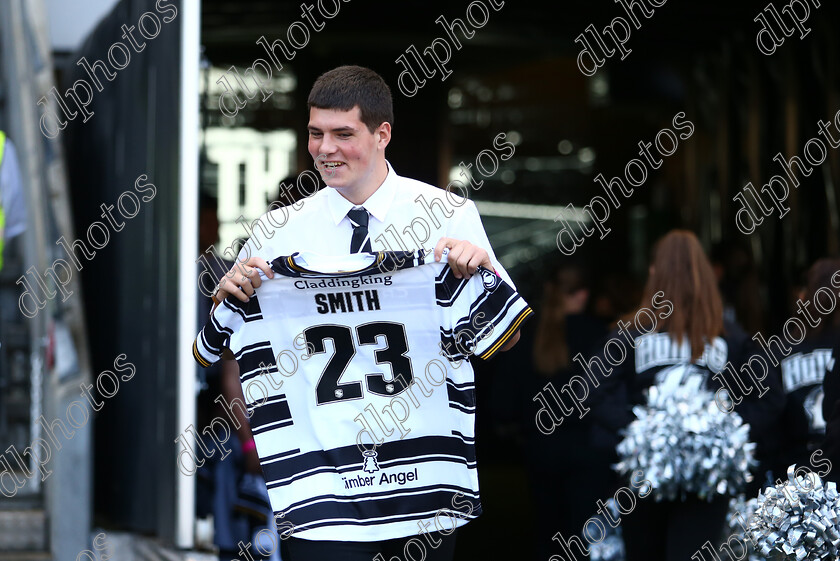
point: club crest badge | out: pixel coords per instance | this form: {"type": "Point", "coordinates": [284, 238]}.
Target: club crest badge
{"type": "Point", "coordinates": [490, 280]}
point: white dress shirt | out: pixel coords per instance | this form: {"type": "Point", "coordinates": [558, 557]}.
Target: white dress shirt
{"type": "Point", "coordinates": [405, 214]}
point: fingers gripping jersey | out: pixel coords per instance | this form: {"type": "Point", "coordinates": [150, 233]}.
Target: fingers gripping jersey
{"type": "Point", "coordinates": [361, 403]}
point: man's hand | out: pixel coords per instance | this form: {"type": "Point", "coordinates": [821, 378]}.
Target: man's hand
{"type": "Point", "coordinates": [243, 278]}
{"type": "Point", "coordinates": [511, 342]}
{"type": "Point", "coordinates": [464, 257]}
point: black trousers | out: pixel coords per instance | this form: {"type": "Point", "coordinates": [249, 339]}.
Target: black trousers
{"type": "Point", "coordinates": [432, 546]}
{"type": "Point", "coordinates": [673, 531]}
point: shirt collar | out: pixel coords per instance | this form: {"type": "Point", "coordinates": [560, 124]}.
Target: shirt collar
{"type": "Point", "coordinates": [377, 204]}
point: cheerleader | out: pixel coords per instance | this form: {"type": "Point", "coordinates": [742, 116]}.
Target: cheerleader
{"type": "Point", "coordinates": [831, 414]}
{"type": "Point", "coordinates": [804, 368]}
{"type": "Point", "coordinates": [691, 338]}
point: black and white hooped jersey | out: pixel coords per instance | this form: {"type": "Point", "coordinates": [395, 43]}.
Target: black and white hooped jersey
{"type": "Point", "coordinates": [361, 402]}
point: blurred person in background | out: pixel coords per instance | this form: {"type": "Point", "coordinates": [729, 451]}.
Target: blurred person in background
{"type": "Point", "coordinates": [232, 490]}
{"type": "Point", "coordinates": [565, 474]}
{"type": "Point", "coordinates": [689, 334]}
{"type": "Point", "coordinates": [13, 223]}
{"type": "Point", "coordinates": [804, 369]}
{"type": "Point", "coordinates": [831, 413]}
{"type": "Point", "coordinates": [614, 294]}
{"type": "Point", "coordinates": [739, 284]}
{"type": "Point", "coordinates": [12, 200]}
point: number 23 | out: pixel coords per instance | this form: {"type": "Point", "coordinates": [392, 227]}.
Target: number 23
{"type": "Point", "coordinates": [329, 390]}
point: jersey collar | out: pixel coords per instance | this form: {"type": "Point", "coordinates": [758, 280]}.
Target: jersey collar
{"type": "Point", "coordinates": [307, 263]}
{"type": "Point", "coordinates": [377, 204]}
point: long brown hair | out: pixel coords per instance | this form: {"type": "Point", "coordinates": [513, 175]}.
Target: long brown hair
{"type": "Point", "coordinates": [682, 271]}
{"type": "Point", "coordinates": [820, 275]}
{"type": "Point", "coordinates": [551, 349]}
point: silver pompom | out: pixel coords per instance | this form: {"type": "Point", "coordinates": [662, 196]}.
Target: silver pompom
{"type": "Point", "coordinates": [740, 512]}
{"type": "Point", "coordinates": [611, 548]}
{"type": "Point", "coordinates": [684, 443]}
{"type": "Point", "coordinates": [797, 519]}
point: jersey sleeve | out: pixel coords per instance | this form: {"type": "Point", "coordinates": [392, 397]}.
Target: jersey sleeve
{"type": "Point", "coordinates": [215, 336]}
{"type": "Point", "coordinates": [466, 225]}
{"type": "Point", "coordinates": [480, 314]}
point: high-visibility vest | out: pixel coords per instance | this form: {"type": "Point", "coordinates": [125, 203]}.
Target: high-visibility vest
{"type": "Point", "coordinates": [2, 216]}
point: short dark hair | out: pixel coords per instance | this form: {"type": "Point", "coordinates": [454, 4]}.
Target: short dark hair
{"type": "Point", "coordinates": [345, 87]}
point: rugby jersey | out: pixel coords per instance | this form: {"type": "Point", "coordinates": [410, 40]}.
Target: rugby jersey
{"type": "Point", "coordinates": [363, 403]}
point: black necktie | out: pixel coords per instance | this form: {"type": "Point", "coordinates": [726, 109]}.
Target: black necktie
{"type": "Point", "coordinates": [361, 238]}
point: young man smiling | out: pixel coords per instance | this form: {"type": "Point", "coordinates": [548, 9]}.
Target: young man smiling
{"type": "Point", "coordinates": [350, 118]}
